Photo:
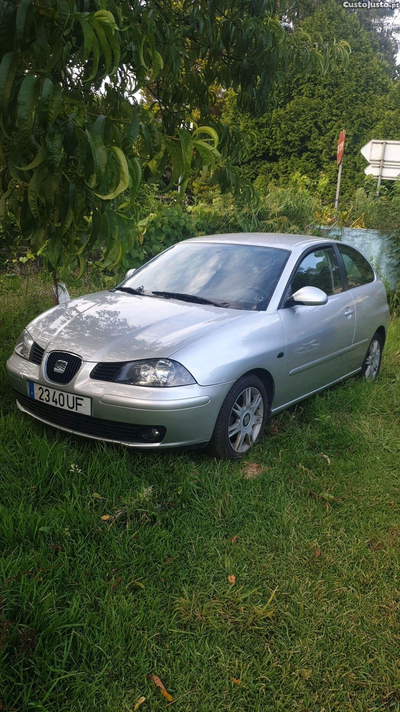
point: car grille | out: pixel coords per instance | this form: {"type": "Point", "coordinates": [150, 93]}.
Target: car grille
{"type": "Point", "coordinates": [87, 425]}
{"type": "Point", "coordinates": [73, 364]}
{"type": "Point", "coordinates": [36, 354]}
{"type": "Point", "coordinates": [107, 371]}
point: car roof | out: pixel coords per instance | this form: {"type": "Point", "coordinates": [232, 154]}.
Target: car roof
{"type": "Point", "coordinates": [270, 239]}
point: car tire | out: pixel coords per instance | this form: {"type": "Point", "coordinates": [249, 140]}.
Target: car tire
{"type": "Point", "coordinates": [241, 420]}
{"type": "Point", "coordinates": [373, 358]}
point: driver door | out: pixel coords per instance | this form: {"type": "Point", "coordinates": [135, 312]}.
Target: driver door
{"type": "Point", "coordinates": [318, 338]}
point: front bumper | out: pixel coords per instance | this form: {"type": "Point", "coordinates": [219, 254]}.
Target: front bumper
{"type": "Point", "coordinates": [121, 413]}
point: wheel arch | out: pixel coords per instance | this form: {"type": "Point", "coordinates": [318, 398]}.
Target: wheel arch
{"type": "Point", "coordinates": [382, 333]}
{"type": "Point", "coordinates": [267, 381]}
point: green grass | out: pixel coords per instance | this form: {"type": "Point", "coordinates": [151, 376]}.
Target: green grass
{"type": "Point", "coordinates": [308, 525]}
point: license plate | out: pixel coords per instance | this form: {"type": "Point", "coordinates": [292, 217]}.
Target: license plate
{"type": "Point", "coordinates": [60, 399]}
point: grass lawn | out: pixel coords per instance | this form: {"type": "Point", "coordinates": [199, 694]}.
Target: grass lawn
{"type": "Point", "coordinates": [272, 584]}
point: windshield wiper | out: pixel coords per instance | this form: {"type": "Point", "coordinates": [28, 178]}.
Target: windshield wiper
{"type": "Point", "coordinates": [189, 298]}
{"type": "Point", "coordinates": [130, 290]}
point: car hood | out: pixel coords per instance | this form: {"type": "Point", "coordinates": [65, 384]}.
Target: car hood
{"type": "Point", "coordinates": [115, 326]}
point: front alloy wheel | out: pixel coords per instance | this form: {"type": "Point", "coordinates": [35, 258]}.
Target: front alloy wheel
{"type": "Point", "coordinates": [241, 419]}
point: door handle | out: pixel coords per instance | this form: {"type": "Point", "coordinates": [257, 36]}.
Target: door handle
{"type": "Point", "coordinates": [349, 311]}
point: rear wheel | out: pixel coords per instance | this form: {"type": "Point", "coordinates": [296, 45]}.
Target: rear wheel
{"type": "Point", "coordinates": [241, 420]}
{"type": "Point", "coordinates": [373, 357]}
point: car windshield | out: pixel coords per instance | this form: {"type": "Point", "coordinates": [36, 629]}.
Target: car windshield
{"type": "Point", "coordinates": [227, 275]}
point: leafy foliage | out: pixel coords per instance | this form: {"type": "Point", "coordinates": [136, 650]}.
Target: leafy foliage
{"type": "Point", "coordinates": [300, 134]}
{"type": "Point", "coordinates": [281, 210]}
{"type": "Point", "coordinates": [76, 142]}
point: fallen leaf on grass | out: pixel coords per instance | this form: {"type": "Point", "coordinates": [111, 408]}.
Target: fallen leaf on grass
{"type": "Point", "coordinates": [105, 517]}
{"type": "Point", "coordinates": [235, 538]}
{"type": "Point", "coordinates": [326, 457]}
{"type": "Point", "coordinates": [159, 684]}
{"type": "Point", "coordinates": [318, 553]}
{"type": "Point", "coordinates": [117, 582]}
{"type": "Point", "coordinates": [253, 470]}
{"type": "Point", "coordinates": [327, 496]}
{"type": "Point", "coordinates": [232, 579]}
{"type": "Point", "coordinates": [96, 495]}
{"type": "Point", "coordinates": [305, 469]}
{"type": "Point", "coordinates": [167, 695]}
{"type": "Point", "coordinates": [138, 703]}
{"type": "Point", "coordinates": [235, 681]}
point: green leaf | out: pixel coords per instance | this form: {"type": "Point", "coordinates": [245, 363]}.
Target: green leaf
{"type": "Point", "coordinates": [38, 239]}
{"type": "Point", "coordinates": [27, 99]}
{"type": "Point", "coordinates": [55, 104]}
{"type": "Point", "coordinates": [88, 38]}
{"type": "Point", "coordinates": [33, 189]}
{"type": "Point", "coordinates": [94, 233]}
{"type": "Point", "coordinates": [7, 73]}
{"type": "Point", "coordinates": [99, 153]}
{"type": "Point", "coordinates": [3, 206]}
{"type": "Point", "coordinates": [77, 111]}
{"type": "Point", "coordinates": [132, 131]}
{"type": "Point", "coordinates": [68, 221]}
{"type": "Point", "coordinates": [136, 175]}
{"type": "Point", "coordinates": [114, 250]}
{"type": "Point", "coordinates": [140, 50]}
{"type": "Point", "coordinates": [54, 149]}
{"type": "Point", "coordinates": [124, 176]}
{"type": "Point", "coordinates": [106, 17]}
{"type": "Point", "coordinates": [64, 12]}
{"type": "Point", "coordinates": [95, 60]}
{"type": "Point", "coordinates": [54, 248]}
{"type": "Point", "coordinates": [7, 26]}
{"type": "Point", "coordinates": [208, 130]}
{"type": "Point", "coordinates": [158, 65]}
{"type": "Point", "coordinates": [50, 186]}
{"type": "Point", "coordinates": [147, 138]}
{"type": "Point", "coordinates": [44, 103]}
{"type": "Point", "coordinates": [155, 139]}
{"type": "Point", "coordinates": [115, 46]}
{"type": "Point", "coordinates": [104, 46]}
{"type": "Point", "coordinates": [90, 47]}
{"type": "Point", "coordinates": [70, 215]}
{"type": "Point", "coordinates": [177, 163]}
{"type": "Point", "coordinates": [187, 152]}
{"type": "Point", "coordinates": [82, 152]}
{"type": "Point", "coordinates": [54, 58]}
{"type": "Point", "coordinates": [21, 19]}
{"type": "Point", "coordinates": [81, 268]}
{"type": "Point", "coordinates": [207, 152]}
{"type": "Point", "coordinates": [40, 156]}
{"type": "Point", "coordinates": [115, 255]}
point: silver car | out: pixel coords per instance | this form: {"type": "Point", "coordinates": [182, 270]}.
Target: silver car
{"type": "Point", "coordinates": [204, 342]}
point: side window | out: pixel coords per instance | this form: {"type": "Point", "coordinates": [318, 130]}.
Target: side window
{"type": "Point", "coordinates": [318, 269]}
{"type": "Point", "coordinates": [358, 269]}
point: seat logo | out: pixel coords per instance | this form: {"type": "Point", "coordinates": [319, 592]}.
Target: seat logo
{"type": "Point", "coordinates": [60, 366]}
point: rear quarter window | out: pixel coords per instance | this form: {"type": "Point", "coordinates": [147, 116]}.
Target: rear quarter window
{"type": "Point", "coordinates": [358, 269]}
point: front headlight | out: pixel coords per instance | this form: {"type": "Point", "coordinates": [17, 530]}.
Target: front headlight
{"type": "Point", "coordinates": [155, 372]}
{"type": "Point", "coordinates": [24, 345]}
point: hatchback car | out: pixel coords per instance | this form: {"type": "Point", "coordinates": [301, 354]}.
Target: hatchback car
{"type": "Point", "coordinates": [204, 342]}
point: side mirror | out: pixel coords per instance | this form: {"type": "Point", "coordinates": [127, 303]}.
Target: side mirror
{"type": "Point", "coordinates": [310, 296]}
{"type": "Point", "coordinates": [130, 272]}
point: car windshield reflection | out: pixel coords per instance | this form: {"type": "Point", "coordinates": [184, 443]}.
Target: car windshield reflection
{"type": "Point", "coordinates": [225, 275]}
